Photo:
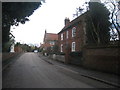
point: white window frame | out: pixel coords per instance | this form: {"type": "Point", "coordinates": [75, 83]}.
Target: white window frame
{"type": "Point", "coordinates": [73, 31]}
{"type": "Point", "coordinates": [62, 36]}
{"type": "Point", "coordinates": [73, 46]}
{"type": "Point", "coordinates": [67, 34]}
{"type": "Point", "coordinates": [52, 43]}
{"type": "Point", "coordinates": [61, 49]}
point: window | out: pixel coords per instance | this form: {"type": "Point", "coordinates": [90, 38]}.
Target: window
{"type": "Point", "coordinates": [52, 43]}
{"type": "Point", "coordinates": [43, 48]}
{"type": "Point", "coordinates": [51, 47]}
{"type": "Point", "coordinates": [73, 32]}
{"type": "Point", "coordinates": [62, 36]}
{"type": "Point", "coordinates": [73, 46]}
{"type": "Point", "coordinates": [61, 48]}
{"type": "Point", "coordinates": [67, 34]}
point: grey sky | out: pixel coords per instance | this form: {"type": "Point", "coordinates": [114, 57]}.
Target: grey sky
{"type": "Point", "coordinates": [49, 16]}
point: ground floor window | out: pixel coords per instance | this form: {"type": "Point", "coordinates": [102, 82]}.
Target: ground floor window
{"type": "Point", "coordinates": [61, 48]}
{"type": "Point", "coordinates": [73, 46]}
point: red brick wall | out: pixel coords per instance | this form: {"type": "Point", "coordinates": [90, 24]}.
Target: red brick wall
{"type": "Point", "coordinates": [6, 56]}
{"type": "Point", "coordinates": [18, 49]}
{"type": "Point", "coordinates": [103, 59]}
{"type": "Point", "coordinates": [78, 39]}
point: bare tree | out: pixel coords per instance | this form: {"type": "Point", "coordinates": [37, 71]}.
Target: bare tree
{"type": "Point", "coordinates": [81, 9]}
{"type": "Point", "coordinates": [114, 8]}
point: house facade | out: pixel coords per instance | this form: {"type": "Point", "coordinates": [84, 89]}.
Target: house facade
{"type": "Point", "coordinates": [73, 36]}
{"type": "Point", "coordinates": [49, 41]}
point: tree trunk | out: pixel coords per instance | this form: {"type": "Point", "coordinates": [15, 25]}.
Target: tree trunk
{"type": "Point", "coordinates": [5, 38]}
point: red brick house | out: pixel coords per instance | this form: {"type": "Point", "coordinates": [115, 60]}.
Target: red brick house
{"type": "Point", "coordinates": [50, 40]}
{"type": "Point", "coordinates": [72, 37]}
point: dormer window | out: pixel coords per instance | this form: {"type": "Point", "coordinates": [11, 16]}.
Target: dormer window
{"type": "Point", "coordinates": [73, 31]}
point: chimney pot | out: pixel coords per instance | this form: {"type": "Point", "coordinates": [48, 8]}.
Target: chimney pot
{"type": "Point", "coordinates": [67, 21]}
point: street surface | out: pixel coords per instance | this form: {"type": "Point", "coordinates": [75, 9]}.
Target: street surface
{"type": "Point", "coordinates": [30, 71]}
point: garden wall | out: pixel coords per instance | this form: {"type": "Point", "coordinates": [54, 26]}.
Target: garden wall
{"type": "Point", "coordinates": [103, 59]}
{"type": "Point", "coordinates": [60, 58]}
{"type": "Point", "coordinates": [6, 56]}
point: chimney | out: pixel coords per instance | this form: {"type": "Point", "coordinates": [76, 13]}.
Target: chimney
{"type": "Point", "coordinates": [67, 21]}
{"type": "Point", "coordinates": [45, 31]}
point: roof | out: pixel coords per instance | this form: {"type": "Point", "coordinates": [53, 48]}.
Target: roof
{"type": "Point", "coordinates": [45, 45]}
{"type": "Point", "coordinates": [50, 36]}
{"type": "Point", "coordinates": [73, 22]}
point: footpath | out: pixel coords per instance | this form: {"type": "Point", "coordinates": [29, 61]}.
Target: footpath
{"type": "Point", "coordinates": [107, 78]}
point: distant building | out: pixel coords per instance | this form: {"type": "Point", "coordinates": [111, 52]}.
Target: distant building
{"type": "Point", "coordinates": [50, 39]}
{"type": "Point", "coordinates": [73, 35]}
{"type": "Point", "coordinates": [12, 48]}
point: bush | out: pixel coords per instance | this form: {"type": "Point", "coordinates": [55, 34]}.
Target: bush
{"type": "Point", "coordinates": [61, 53]}
{"type": "Point", "coordinates": [75, 54]}
{"type": "Point", "coordinates": [58, 53]}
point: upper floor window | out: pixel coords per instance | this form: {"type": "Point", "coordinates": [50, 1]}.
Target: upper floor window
{"type": "Point", "coordinates": [62, 36]}
{"type": "Point", "coordinates": [52, 43]}
{"type": "Point", "coordinates": [67, 34]}
{"type": "Point", "coordinates": [73, 46]}
{"type": "Point", "coordinates": [73, 32]}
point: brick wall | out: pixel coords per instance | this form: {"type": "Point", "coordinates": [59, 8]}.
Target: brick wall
{"type": "Point", "coordinates": [60, 58]}
{"type": "Point", "coordinates": [78, 39]}
{"type": "Point", "coordinates": [6, 56]}
{"type": "Point", "coordinates": [103, 59]}
{"type": "Point", "coordinates": [18, 49]}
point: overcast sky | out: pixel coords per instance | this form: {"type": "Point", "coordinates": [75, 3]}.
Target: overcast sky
{"type": "Point", "coordinates": [50, 16]}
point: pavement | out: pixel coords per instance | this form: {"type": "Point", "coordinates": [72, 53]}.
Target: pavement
{"type": "Point", "coordinates": [107, 78]}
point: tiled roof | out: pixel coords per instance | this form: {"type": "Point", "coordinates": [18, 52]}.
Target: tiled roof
{"type": "Point", "coordinates": [51, 36]}
{"type": "Point", "coordinates": [45, 45]}
{"type": "Point", "coordinates": [73, 22]}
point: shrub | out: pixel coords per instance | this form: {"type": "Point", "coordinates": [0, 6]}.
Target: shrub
{"type": "Point", "coordinates": [76, 54]}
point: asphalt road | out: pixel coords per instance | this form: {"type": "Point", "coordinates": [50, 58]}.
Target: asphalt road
{"type": "Point", "coordinates": [30, 71]}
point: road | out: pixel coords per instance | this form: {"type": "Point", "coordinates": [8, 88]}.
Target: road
{"type": "Point", "coordinates": [30, 71]}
